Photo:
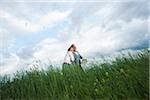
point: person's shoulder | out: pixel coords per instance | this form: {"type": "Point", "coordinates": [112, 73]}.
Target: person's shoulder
{"type": "Point", "coordinates": [69, 52]}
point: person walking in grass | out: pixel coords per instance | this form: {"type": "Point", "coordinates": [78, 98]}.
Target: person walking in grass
{"type": "Point", "coordinates": [68, 62]}
{"type": "Point", "coordinates": [77, 57]}
{"type": "Point", "coordinates": [69, 58]}
{"type": "Point", "coordinates": [72, 59]}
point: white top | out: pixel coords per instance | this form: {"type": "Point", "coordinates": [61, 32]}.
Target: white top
{"type": "Point", "coordinates": [69, 58]}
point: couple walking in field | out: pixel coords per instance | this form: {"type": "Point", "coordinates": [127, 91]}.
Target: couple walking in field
{"type": "Point", "coordinates": [72, 57]}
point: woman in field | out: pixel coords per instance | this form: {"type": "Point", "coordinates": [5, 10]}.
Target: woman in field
{"type": "Point", "coordinates": [72, 59]}
{"type": "Point", "coordinates": [77, 57]}
{"type": "Point", "coordinates": [68, 62]}
{"type": "Point", "coordinates": [69, 58]}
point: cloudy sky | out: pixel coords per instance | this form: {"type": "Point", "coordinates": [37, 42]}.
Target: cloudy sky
{"type": "Point", "coordinates": [44, 30]}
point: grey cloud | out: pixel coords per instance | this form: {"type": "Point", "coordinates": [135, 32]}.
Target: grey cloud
{"type": "Point", "coordinates": [130, 10]}
{"type": "Point", "coordinates": [122, 11]}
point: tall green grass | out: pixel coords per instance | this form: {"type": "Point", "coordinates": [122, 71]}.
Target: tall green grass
{"type": "Point", "coordinates": [126, 78]}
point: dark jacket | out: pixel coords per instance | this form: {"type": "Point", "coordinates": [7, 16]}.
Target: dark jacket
{"type": "Point", "coordinates": [77, 57]}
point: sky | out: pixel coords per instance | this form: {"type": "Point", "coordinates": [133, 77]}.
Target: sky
{"type": "Point", "coordinates": [44, 30]}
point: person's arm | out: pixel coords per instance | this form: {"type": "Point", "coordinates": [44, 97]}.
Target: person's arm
{"type": "Point", "coordinates": [81, 57]}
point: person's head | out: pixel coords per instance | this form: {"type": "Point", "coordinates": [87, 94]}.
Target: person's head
{"type": "Point", "coordinates": [74, 47]}
{"type": "Point", "coordinates": [71, 49]}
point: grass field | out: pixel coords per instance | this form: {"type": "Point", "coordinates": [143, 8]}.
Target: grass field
{"type": "Point", "coordinates": [126, 78]}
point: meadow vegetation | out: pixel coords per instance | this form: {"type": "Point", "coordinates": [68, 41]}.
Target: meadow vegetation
{"type": "Point", "coordinates": [126, 78]}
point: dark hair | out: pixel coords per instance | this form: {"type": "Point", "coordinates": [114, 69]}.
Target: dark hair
{"type": "Point", "coordinates": [73, 45]}
{"type": "Point", "coordinates": [69, 48]}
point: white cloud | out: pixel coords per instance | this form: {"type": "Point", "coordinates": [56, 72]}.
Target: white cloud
{"type": "Point", "coordinates": [133, 33]}
{"type": "Point", "coordinates": [11, 66]}
{"type": "Point", "coordinates": [50, 48]}
{"type": "Point", "coordinates": [26, 52]}
{"type": "Point", "coordinates": [97, 39]}
{"type": "Point", "coordinates": [128, 35]}
{"type": "Point", "coordinates": [34, 25]}
{"type": "Point", "coordinates": [5, 38]}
